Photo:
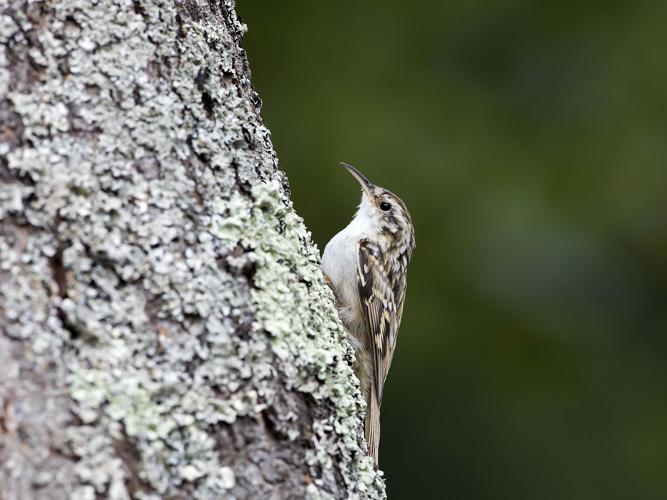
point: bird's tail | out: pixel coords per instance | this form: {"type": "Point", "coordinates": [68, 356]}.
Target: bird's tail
{"type": "Point", "coordinates": [373, 426]}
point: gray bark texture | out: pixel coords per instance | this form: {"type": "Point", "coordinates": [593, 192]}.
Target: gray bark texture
{"type": "Point", "coordinates": [165, 330]}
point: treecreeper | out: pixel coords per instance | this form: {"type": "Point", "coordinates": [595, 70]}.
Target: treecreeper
{"type": "Point", "coordinates": [366, 266]}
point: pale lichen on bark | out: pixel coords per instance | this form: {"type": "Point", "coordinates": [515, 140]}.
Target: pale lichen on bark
{"type": "Point", "coordinates": [166, 331]}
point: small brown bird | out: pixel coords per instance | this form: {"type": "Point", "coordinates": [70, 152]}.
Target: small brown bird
{"type": "Point", "coordinates": [366, 265]}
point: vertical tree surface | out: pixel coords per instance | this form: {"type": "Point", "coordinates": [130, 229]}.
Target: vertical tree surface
{"type": "Point", "coordinates": [165, 328]}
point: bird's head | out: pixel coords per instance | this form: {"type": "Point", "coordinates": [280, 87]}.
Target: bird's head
{"type": "Point", "coordinates": [383, 211]}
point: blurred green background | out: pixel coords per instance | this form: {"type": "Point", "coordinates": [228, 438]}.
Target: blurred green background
{"type": "Point", "coordinates": [529, 140]}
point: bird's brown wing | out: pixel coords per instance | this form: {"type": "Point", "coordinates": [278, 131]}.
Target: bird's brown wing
{"type": "Point", "coordinates": [379, 307]}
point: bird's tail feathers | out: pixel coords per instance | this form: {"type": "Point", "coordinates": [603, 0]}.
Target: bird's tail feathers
{"type": "Point", "coordinates": [373, 426]}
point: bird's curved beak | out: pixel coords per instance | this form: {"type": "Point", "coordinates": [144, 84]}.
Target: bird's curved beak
{"type": "Point", "coordinates": [361, 178]}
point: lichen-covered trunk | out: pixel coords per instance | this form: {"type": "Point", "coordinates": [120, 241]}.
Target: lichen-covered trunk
{"type": "Point", "coordinates": [165, 331]}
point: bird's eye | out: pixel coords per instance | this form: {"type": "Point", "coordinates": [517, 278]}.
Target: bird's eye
{"type": "Point", "coordinates": [384, 206]}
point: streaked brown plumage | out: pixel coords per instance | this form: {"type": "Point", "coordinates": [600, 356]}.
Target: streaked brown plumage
{"type": "Point", "coordinates": [366, 264]}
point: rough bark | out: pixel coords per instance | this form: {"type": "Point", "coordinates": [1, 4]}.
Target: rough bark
{"type": "Point", "coordinates": [165, 328]}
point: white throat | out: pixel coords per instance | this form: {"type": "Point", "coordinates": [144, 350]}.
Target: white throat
{"type": "Point", "coordinates": [365, 221]}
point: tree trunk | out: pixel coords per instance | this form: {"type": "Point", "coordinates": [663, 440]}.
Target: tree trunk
{"type": "Point", "coordinates": [165, 328]}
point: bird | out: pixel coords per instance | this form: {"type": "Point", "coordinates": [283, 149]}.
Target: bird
{"type": "Point", "coordinates": [366, 266]}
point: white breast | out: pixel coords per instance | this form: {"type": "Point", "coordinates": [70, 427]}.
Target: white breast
{"type": "Point", "coordinates": [339, 262]}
